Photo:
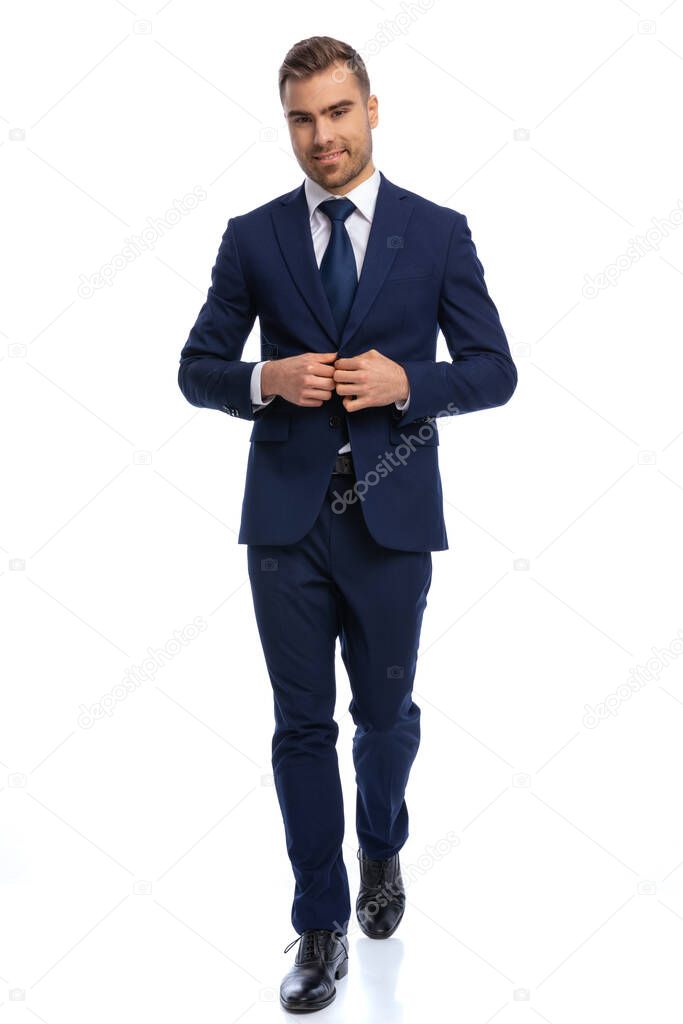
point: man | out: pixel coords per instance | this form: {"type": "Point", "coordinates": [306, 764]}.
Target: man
{"type": "Point", "coordinates": [351, 278]}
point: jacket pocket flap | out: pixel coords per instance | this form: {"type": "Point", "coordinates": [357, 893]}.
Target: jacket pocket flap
{"type": "Point", "coordinates": [270, 426]}
{"type": "Point", "coordinates": [419, 432]}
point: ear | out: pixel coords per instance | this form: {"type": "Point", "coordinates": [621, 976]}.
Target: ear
{"type": "Point", "coordinates": [373, 110]}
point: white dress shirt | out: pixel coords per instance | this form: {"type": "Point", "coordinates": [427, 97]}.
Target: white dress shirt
{"type": "Point", "coordinates": [358, 224]}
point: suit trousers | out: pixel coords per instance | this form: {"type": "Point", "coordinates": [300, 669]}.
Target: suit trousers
{"type": "Point", "coordinates": [339, 582]}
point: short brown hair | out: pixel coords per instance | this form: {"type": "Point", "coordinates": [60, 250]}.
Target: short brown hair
{"type": "Point", "coordinates": [309, 56]}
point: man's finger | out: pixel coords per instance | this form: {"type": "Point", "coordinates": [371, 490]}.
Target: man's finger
{"type": "Point", "coordinates": [323, 370]}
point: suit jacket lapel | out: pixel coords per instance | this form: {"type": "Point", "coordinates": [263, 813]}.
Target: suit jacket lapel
{"type": "Point", "coordinates": [292, 226]}
{"type": "Point", "coordinates": [387, 234]}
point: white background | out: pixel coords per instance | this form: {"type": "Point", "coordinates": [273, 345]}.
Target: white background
{"type": "Point", "coordinates": [143, 861]}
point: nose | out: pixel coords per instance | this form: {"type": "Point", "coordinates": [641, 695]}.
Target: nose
{"type": "Point", "coordinates": [323, 135]}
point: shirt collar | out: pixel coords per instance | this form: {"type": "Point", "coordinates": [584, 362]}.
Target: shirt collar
{"type": "Point", "coordinates": [363, 196]}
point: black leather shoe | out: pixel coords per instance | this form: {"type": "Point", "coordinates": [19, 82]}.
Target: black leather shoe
{"type": "Point", "coordinates": [381, 897]}
{"type": "Point", "coordinates": [322, 956]}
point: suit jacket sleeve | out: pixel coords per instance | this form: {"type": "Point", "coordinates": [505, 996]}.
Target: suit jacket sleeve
{"type": "Point", "coordinates": [482, 373]}
{"type": "Point", "coordinates": [211, 372]}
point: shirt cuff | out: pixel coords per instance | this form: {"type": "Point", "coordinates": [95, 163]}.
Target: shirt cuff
{"type": "Point", "coordinates": [402, 406]}
{"type": "Point", "coordinates": [255, 388]}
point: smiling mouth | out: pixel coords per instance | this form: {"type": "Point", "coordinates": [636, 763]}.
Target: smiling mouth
{"type": "Point", "coordinates": [328, 158]}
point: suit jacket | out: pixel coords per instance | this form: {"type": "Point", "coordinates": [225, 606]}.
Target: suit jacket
{"type": "Point", "coordinates": [421, 272]}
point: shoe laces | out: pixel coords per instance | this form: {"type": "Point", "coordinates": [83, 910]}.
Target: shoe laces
{"type": "Point", "coordinates": [374, 871]}
{"type": "Point", "coordinates": [312, 943]}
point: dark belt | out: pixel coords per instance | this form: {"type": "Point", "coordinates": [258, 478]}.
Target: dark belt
{"type": "Point", "coordinates": [343, 464]}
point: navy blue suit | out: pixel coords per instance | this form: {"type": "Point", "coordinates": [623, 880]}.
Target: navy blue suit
{"type": "Point", "coordinates": [421, 272]}
{"type": "Point", "coordinates": [321, 567]}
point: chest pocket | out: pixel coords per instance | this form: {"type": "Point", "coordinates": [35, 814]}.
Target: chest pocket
{"type": "Point", "coordinates": [270, 425]}
{"type": "Point", "coordinates": [410, 271]}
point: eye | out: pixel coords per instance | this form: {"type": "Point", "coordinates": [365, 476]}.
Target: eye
{"type": "Point", "coordinates": [301, 118]}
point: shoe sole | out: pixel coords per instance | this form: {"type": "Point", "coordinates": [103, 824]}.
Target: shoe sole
{"type": "Point", "coordinates": [341, 972]}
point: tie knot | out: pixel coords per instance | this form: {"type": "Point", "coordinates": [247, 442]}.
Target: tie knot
{"type": "Point", "coordinates": [337, 209]}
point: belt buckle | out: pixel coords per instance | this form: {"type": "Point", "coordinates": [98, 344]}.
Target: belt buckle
{"type": "Point", "coordinates": [343, 464]}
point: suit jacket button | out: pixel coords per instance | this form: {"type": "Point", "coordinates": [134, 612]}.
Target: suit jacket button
{"type": "Point", "coordinates": [335, 421]}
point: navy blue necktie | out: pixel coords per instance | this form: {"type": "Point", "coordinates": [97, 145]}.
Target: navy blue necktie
{"type": "Point", "coordinates": [338, 266]}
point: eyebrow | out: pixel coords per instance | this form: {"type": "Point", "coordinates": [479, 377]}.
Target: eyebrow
{"type": "Point", "coordinates": [325, 110]}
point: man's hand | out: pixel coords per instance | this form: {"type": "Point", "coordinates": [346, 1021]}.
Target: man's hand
{"type": "Point", "coordinates": [307, 379]}
{"type": "Point", "coordinates": [369, 379]}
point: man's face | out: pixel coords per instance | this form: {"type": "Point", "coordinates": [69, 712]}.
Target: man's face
{"type": "Point", "coordinates": [327, 114]}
